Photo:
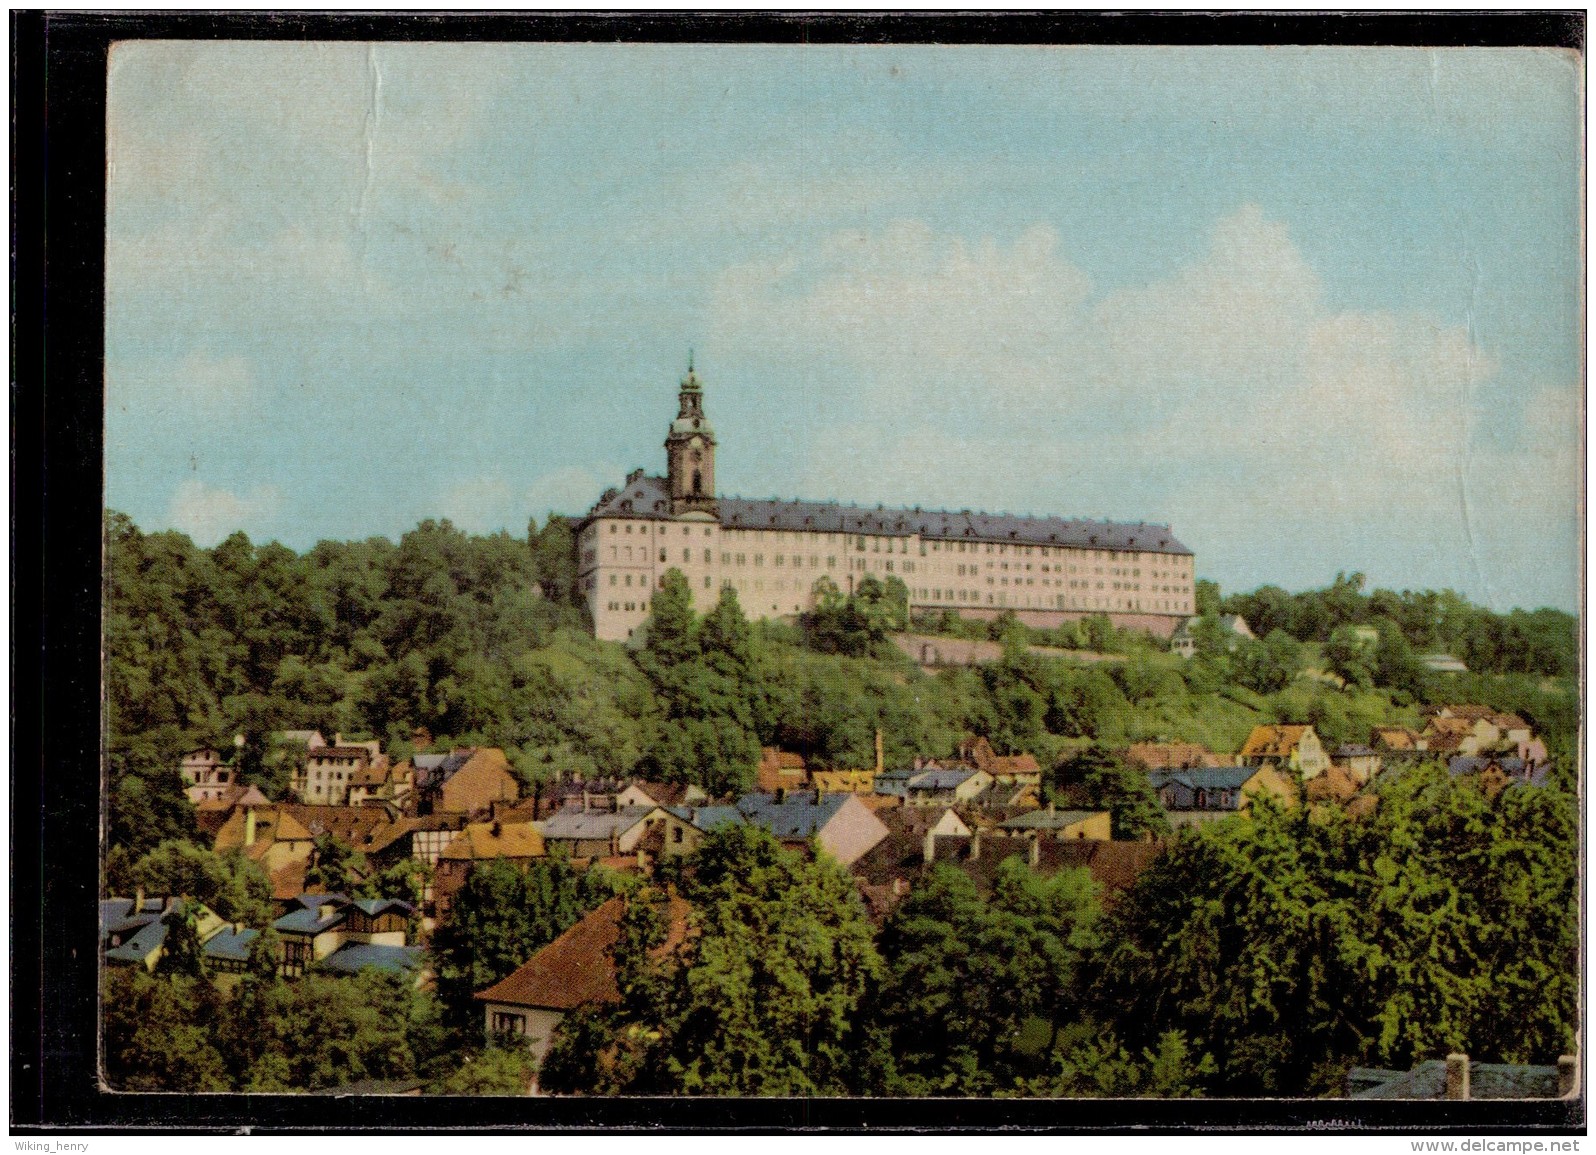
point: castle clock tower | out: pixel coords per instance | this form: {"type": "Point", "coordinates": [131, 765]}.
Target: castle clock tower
{"type": "Point", "coordinates": [690, 452]}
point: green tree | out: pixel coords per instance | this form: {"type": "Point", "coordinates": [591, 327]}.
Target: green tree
{"type": "Point", "coordinates": [160, 1032]}
{"type": "Point", "coordinates": [491, 1071]}
{"type": "Point", "coordinates": [499, 919]}
{"type": "Point", "coordinates": [1096, 778]}
{"type": "Point", "coordinates": [765, 1003]}
{"type": "Point", "coordinates": [230, 884]}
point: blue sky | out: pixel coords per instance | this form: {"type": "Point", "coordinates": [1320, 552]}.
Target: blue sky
{"type": "Point", "coordinates": [1317, 308]}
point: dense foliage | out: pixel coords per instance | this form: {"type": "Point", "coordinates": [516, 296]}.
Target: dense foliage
{"type": "Point", "coordinates": [1255, 957]}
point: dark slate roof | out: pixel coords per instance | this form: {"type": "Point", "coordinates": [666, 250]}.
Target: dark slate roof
{"type": "Point", "coordinates": [799, 815]}
{"type": "Point", "coordinates": [1211, 778]}
{"type": "Point", "coordinates": [1353, 751]}
{"type": "Point", "coordinates": [574, 825]}
{"type": "Point", "coordinates": [138, 948]}
{"type": "Point", "coordinates": [230, 944]}
{"type": "Point", "coordinates": [940, 779]}
{"type": "Point", "coordinates": [375, 906]}
{"type": "Point", "coordinates": [353, 957]}
{"type": "Point", "coordinates": [1428, 1081]}
{"type": "Point", "coordinates": [708, 817]}
{"type": "Point", "coordinates": [304, 921]}
{"type": "Point", "coordinates": [648, 498]}
{"type": "Point", "coordinates": [312, 901]}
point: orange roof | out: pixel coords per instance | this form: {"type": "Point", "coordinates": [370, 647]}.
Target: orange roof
{"type": "Point", "coordinates": [484, 840]}
{"type": "Point", "coordinates": [1396, 738]}
{"type": "Point", "coordinates": [1273, 741]}
{"type": "Point", "coordinates": [1334, 785]}
{"type": "Point", "coordinates": [1453, 725]}
{"type": "Point", "coordinates": [578, 968]}
{"type": "Point", "coordinates": [784, 759]}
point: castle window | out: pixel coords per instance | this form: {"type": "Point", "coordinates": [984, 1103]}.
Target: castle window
{"type": "Point", "coordinates": [706, 581]}
{"type": "Point", "coordinates": [889, 567]}
{"type": "Point", "coordinates": [612, 527]}
{"type": "Point", "coordinates": [831, 563]}
{"type": "Point", "coordinates": [612, 579]}
{"type": "Point", "coordinates": [706, 557]}
{"type": "Point", "coordinates": [759, 559]}
{"type": "Point", "coordinates": [628, 579]}
{"type": "Point", "coordinates": [662, 557]}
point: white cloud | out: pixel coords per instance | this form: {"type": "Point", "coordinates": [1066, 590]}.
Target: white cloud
{"type": "Point", "coordinates": [1231, 387]}
{"type": "Point", "coordinates": [209, 514]}
{"type": "Point", "coordinates": [488, 504]}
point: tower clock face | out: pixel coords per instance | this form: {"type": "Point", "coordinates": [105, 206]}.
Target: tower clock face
{"type": "Point", "coordinates": [697, 443]}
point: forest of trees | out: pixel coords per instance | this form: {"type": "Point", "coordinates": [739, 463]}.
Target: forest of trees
{"type": "Point", "coordinates": [1259, 957]}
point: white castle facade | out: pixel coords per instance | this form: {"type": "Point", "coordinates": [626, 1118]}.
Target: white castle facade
{"type": "Point", "coordinates": [1047, 570]}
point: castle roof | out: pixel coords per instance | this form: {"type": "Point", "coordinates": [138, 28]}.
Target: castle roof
{"type": "Point", "coordinates": [648, 498]}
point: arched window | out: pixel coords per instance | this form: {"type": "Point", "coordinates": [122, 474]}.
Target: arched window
{"type": "Point", "coordinates": [698, 483]}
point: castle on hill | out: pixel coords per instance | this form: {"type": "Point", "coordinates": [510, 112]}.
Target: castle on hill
{"type": "Point", "coordinates": [1047, 570]}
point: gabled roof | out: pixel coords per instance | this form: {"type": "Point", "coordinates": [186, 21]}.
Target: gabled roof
{"type": "Point", "coordinates": [229, 944]}
{"type": "Point", "coordinates": [577, 968]}
{"type": "Point", "coordinates": [648, 498]}
{"type": "Point", "coordinates": [585, 825]}
{"type": "Point", "coordinates": [1205, 778]}
{"type": "Point", "coordinates": [354, 957]}
{"type": "Point", "coordinates": [137, 948]}
{"type": "Point", "coordinates": [708, 817]}
{"type": "Point", "coordinates": [798, 815]}
{"type": "Point", "coordinates": [485, 840]}
{"type": "Point", "coordinates": [939, 780]}
{"type": "Point", "coordinates": [1273, 741]}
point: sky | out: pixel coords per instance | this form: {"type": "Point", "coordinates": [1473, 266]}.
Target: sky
{"type": "Point", "coordinates": [1318, 309]}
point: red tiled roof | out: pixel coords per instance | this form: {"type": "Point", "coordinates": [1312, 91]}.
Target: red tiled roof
{"type": "Point", "coordinates": [578, 968]}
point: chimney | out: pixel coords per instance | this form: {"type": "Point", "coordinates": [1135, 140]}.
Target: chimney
{"type": "Point", "coordinates": [1457, 1076]}
{"type": "Point", "coordinates": [615, 842]}
{"type": "Point", "coordinates": [929, 848]}
{"type": "Point", "coordinates": [138, 899]}
{"type": "Point", "coordinates": [249, 827]}
{"type": "Point", "coordinates": [1036, 849]}
{"type": "Point", "coordinates": [879, 759]}
{"type": "Point", "coordinates": [975, 846]}
{"type": "Point", "coordinates": [781, 795]}
{"type": "Point", "coordinates": [1567, 1076]}
{"type": "Point", "coordinates": [1052, 808]}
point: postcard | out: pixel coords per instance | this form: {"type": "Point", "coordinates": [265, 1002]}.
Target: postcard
{"type": "Point", "coordinates": [877, 571]}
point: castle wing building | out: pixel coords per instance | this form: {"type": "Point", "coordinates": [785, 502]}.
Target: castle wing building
{"type": "Point", "coordinates": [1047, 570]}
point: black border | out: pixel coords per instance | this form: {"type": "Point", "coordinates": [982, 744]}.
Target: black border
{"type": "Point", "coordinates": [58, 72]}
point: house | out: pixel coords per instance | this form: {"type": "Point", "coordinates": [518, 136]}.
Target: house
{"type": "Point", "coordinates": [1184, 641]}
{"type": "Point", "coordinates": [227, 951]}
{"type": "Point", "coordinates": [843, 781]}
{"type": "Point", "coordinates": [780, 770]}
{"type": "Point", "coordinates": [205, 776]}
{"type": "Point", "coordinates": [610, 833]}
{"type": "Point", "coordinates": [422, 838]}
{"type": "Point", "coordinates": [321, 926]}
{"type": "Point", "coordinates": [666, 794]}
{"type": "Point", "coordinates": [330, 771]}
{"type": "Point", "coordinates": [840, 824]}
{"type": "Point", "coordinates": [309, 739]}
{"type": "Point", "coordinates": [1173, 756]}
{"type": "Point", "coordinates": [575, 970]}
{"type": "Point", "coordinates": [1007, 769]}
{"type": "Point", "coordinates": [273, 838]}
{"type": "Point", "coordinates": [944, 787]}
{"type": "Point", "coordinates": [1458, 735]}
{"type": "Point", "coordinates": [998, 801]}
{"type": "Point", "coordinates": [518, 843]}
{"type": "Point", "coordinates": [1497, 773]}
{"type": "Point", "coordinates": [212, 814]}
{"type": "Point", "coordinates": [918, 821]}
{"type": "Point", "coordinates": [383, 781]}
{"type": "Point", "coordinates": [1063, 824]}
{"type": "Point", "coordinates": [1359, 761]}
{"type": "Point", "coordinates": [466, 781]}
{"type": "Point", "coordinates": [1331, 790]}
{"type": "Point", "coordinates": [1293, 750]}
{"type": "Point", "coordinates": [582, 794]}
{"type": "Point", "coordinates": [1398, 740]}
{"type": "Point", "coordinates": [138, 936]}
{"type": "Point", "coordinates": [894, 783]}
{"type": "Point", "coordinates": [891, 869]}
{"type": "Point", "coordinates": [1457, 1077]}
{"type": "Point", "coordinates": [1208, 795]}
